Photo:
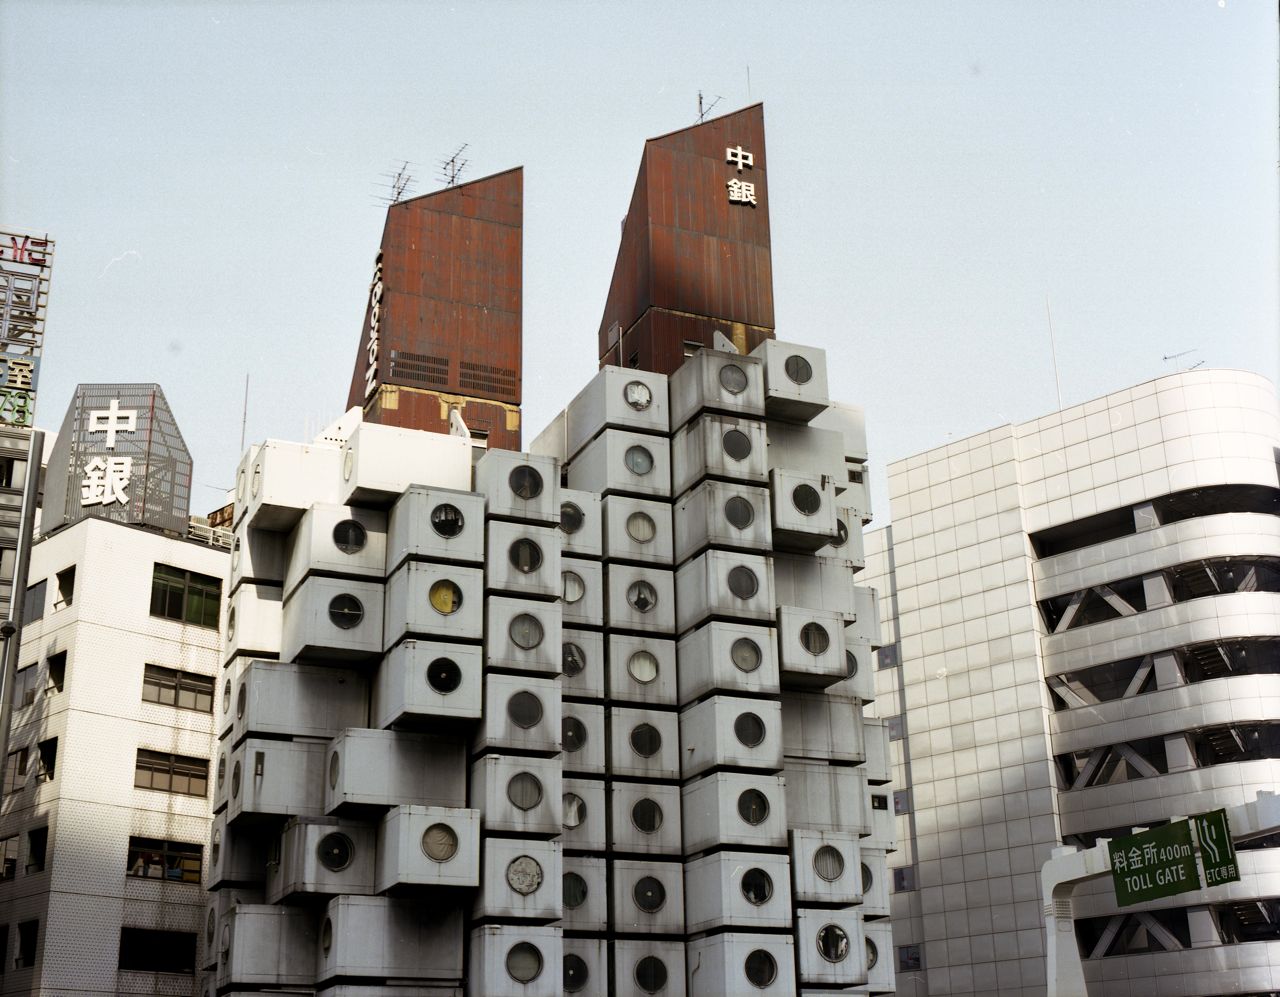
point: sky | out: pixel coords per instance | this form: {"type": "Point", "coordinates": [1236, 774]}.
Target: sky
{"type": "Point", "coordinates": [939, 173]}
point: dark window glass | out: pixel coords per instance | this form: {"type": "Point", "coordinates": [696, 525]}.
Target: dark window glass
{"type": "Point", "coordinates": [349, 536]}
{"type": "Point", "coordinates": [525, 556]}
{"type": "Point", "coordinates": [173, 861]}
{"type": "Point", "coordinates": [739, 512]}
{"type": "Point", "coordinates": [524, 962]}
{"type": "Point", "coordinates": [761, 968]}
{"type": "Point", "coordinates": [909, 959]}
{"type": "Point", "coordinates": [897, 730]}
{"type": "Point", "coordinates": [524, 790]}
{"type": "Point", "coordinates": [646, 815]}
{"type": "Point", "coordinates": [753, 807]}
{"type": "Point", "coordinates": [737, 444]}
{"type": "Point", "coordinates": [742, 582]}
{"type": "Point", "coordinates": [745, 654]}
{"type": "Point", "coordinates": [798, 369]}
{"type": "Point", "coordinates": [46, 760]}
{"type": "Point", "coordinates": [37, 849]}
{"type": "Point", "coordinates": [749, 729]}
{"type": "Point", "coordinates": [335, 851]}
{"type": "Point", "coordinates": [170, 687]}
{"type": "Point", "coordinates": [645, 740]}
{"type": "Point", "coordinates": [651, 974]}
{"type": "Point", "coordinates": [638, 460]}
{"type": "Point", "coordinates": [447, 520]}
{"type": "Point", "coordinates": [642, 596]}
{"type": "Point", "coordinates": [904, 879]}
{"type": "Point", "coordinates": [33, 603]}
{"type": "Point", "coordinates": [28, 936]}
{"type": "Point", "coordinates": [345, 611]}
{"type": "Point", "coordinates": [171, 773]}
{"type": "Point", "coordinates": [902, 802]}
{"type": "Point", "coordinates": [571, 517]}
{"type": "Point", "coordinates": [833, 943]}
{"type": "Point", "coordinates": [57, 672]}
{"type": "Point", "coordinates": [15, 770]}
{"type": "Point", "coordinates": [806, 499]}
{"type": "Point", "coordinates": [574, 890]}
{"type": "Point", "coordinates": [25, 682]}
{"type": "Point", "coordinates": [879, 801]}
{"type": "Point", "coordinates": [576, 973]}
{"type": "Point", "coordinates": [144, 950]}
{"type": "Point", "coordinates": [525, 482]}
{"type": "Point", "coordinates": [8, 857]}
{"type": "Point", "coordinates": [524, 709]}
{"type": "Point", "coordinates": [733, 379]}
{"type": "Point", "coordinates": [649, 894]}
{"type": "Point", "coordinates": [757, 886]}
{"type": "Point", "coordinates": [814, 638]}
{"type": "Point", "coordinates": [66, 580]}
{"type": "Point", "coordinates": [572, 659]}
{"type": "Point", "coordinates": [444, 676]}
{"type": "Point", "coordinates": [185, 596]}
{"type": "Point", "coordinates": [573, 734]}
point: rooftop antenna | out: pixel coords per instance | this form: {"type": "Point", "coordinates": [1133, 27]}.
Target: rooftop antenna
{"type": "Point", "coordinates": [451, 168]}
{"type": "Point", "coordinates": [244, 414]}
{"type": "Point", "coordinates": [704, 111]}
{"type": "Point", "coordinates": [1053, 351]}
{"type": "Point", "coordinates": [397, 184]}
{"type": "Point", "coordinates": [1178, 356]}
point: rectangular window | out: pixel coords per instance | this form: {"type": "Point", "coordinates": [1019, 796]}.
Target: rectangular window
{"type": "Point", "coordinates": [37, 849]}
{"type": "Point", "coordinates": [909, 960]}
{"type": "Point", "coordinates": [8, 857]}
{"type": "Point", "coordinates": [57, 673]}
{"type": "Point", "coordinates": [896, 727]}
{"type": "Point", "coordinates": [66, 580]}
{"type": "Point", "coordinates": [33, 604]}
{"type": "Point", "coordinates": [4, 947]}
{"type": "Point", "coordinates": [28, 935]}
{"type": "Point", "coordinates": [171, 773]}
{"type": "Point", "coordinates": [855, 476]}
{"type": "Point", "coordinates": [887, 656]}
{"type": "Point", "coordinates": [174, 861]}
{"type": "Point", "coordinates": [143, 950]}
{"type": "Point", "coordinates": [15, 770]}
{"type": "Point", "coordinates": [902, 802]}
{"type": "Point", "coordinates": [879, 801]}
{"type": "Point", "coordinates": [691, 347]}
{"type": "Point", "coordinates": [25, 681]}
{"type": "Point", "coordinates": [46, 760]}
{"type": "Point", "coordinates": [904, 879]}
{"type": "Point", "coordinates": [170, 687]}
{"type": "Point", "coordinates": [185, 596]}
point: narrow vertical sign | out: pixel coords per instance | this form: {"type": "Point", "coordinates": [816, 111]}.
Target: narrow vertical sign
{"type": "Point", "coordinates": [1217, 853]}
{"type": "Point", "coordinates": [1156, 863]}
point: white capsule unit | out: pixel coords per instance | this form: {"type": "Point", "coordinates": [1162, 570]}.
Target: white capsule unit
{"type": "Point", "coordinates": [585, 894]}
{"type": "Point", "coordinates": [581, 592]}
{"type": "Point", "coordinates": [377, 460]}
{"type": "Point", "coordinates": [724, 585]}
{"type": "Point", "coordinates": [523, 560]}
{"type": "Point", "coordinates": [804, 510]}
{"type": "Point", "coordinates": [436, 524]}
{"type": "Point", "coordinates": [728, 657]}
{"type": "Point", "coordinates": [876, 739]}
{"type": "Point", "coordinates": [822, 797]}
{"type": "Point", "coordinates": [640, 599]}
{"type": "Point", "coordinates": [722, 514]}
{"type": "Point", "coordinates": [645, 966]}
{"type": "Point", "coordinates": [619, 462]}
{"type": "Point", "coordinates": [617, 398]}
{"type": "Point", "coordinates": [822, 727]}
{"type": "Point", "coordinates": [582, 738]}
{"type": "Point", "coordinates": [271, 778]}
{"type": "Point", "coordinates": [519, 486]}
{"type": "Point", "coordinates": [521, 714]}
{"type": "Point", "coordinates": [810, 648]}
{"type": "Point", "coordinates": [372, 770]}
{"type": "Point", "coordinates": [382, 938]}
{"type": "Point", "coordinates": [217, 904]}
{"type": "Point", "coordinates": [421, 683]}
{"type": "Point", "coordinates": [732, 732]}
{"type": "Point", "coordinates": [805, 450]}
{"type": "Point", "coordinates": [278, 481]}
{"type": "Point", "coordinates": [718, 446]}
{"type": "Point", "coordinates": [236, 857]}
{"type": "Point", "coordinates": [736, 809]}
{"type": "Point", "coordinates": [830, 948]}
{"type": "Point", "coordinates": [740, 964]}
{"type": "Point", "coordinates": [420, 848]}
{"type": "Point", "coordinates": [648, 897]}
{"type": "Point", "coordinates": [745, 891]}
{"type": "Point", "coordinates": [584, 809]}
{"type": "Point", "coordinates": [515, 960]}
{"type": "Point", "coordinates": [523, 635]}
{"type": "Point", "coordinates": [642, 670]}
{"type": "Point", "coordinates": [321, 856]}
{"type": "Point", "coordinates": [582, 663]}
{"type": "Point", "coordinates": [279, 698]}
{"type": "Point", "coordinates": [866, 611]}
{"type": "Point", "coordinates": [881, 972]}
{"type": "Point", "coordinates": [254, 624]}
{"type": "Point", "coordinates": [877, 807]}
{"type": "Point", "coordinates": [521, 878]}
{"type": "Point", "coordinates": [581, 523]}
{"type": "Point", "coordinates": [848, 542]}
{"type": "Point", "coordinates": [257, 556]}
{"type": "Point", "coordinates": [826, 867]}
{"type": "Point", "coordinates": [342, 540]}
{"type": "Point", "coordinates": [644, 743]}
{"type": "Point", "coordinates": [436, 601]}
{"type": "Point", "coordinates": [875, 883]}
{"type": "Point", "coordinates": [518, 795]}
{"type": "Point", "coordinates": [824, 583]}
{"type": "Point", "coordinates": [860, 659]}
{"type": "Point", "coordinates": [712, 381]}
{"type": "Point", "coordinates": [586, 964]}
{"type": "Point", "coordinates": [333, 619]}
{"type": "Point", "coordinates": [637, 530]}
{"type": "Point", "coordinates": [795, 380]}
{"type": "Point", "coordinates": [261, 945]}
{"type": "Point", "coordinates": [645, 818]}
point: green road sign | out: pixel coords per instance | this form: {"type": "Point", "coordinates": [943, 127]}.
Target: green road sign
{"type": "Point", "coordinates": [1156, 863]}
{"type": "Point", "coordinates": [1216, 850]}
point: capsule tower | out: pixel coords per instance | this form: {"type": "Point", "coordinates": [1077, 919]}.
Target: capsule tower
{"type": "Point", "coordinates": [583, 719]}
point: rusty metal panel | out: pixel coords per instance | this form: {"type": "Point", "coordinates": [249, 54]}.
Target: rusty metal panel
{"type": "Point", "coordinates": [415, 408]}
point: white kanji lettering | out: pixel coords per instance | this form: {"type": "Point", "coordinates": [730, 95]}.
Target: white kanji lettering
{"type": "Point", "coordinates": [21, 374]}
{"type": "Point", "coordinates": [112, 420]}
{"type": "Point", "coordinates": [741, 192]}
{"type": "Point", "coordinates": [1135, 858]}
{"type": "Point", "coordinates": [1119, 861]}
{"type": "Point", "coordinates": [740, 158]}
{"type": "Point", "coordinates": [106, 480]}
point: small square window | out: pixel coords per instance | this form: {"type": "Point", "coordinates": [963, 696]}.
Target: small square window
{"type": "Point", "coordinates": [8, 857]}
{"type": "Point", "coordinates": [887, 656]}
{"type": "Point", "coordinates": [902, 802]}
{"type": "Point", "coordinates": [904, 879]}
{"type": "Point", "coordinates": [37, 849]}
{"type": "Point", "coordinates": [909, 959]}
{"type": "Point", "coordinates": [879, 802]}
{"type": "Point", "coordinates": [47, 760]}
{"type": "Point", "coordinates": [15, 770]}
{"type": "Point", "coordinates": [66, 581]}
{"type": "Point", "coordinates": [33, 603]}
{"type": "Point", "coordinates": [57, 673]}
{"type": "Point", "coordinates": [896, 726]}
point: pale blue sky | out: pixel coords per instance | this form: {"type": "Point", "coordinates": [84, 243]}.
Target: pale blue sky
{"type": "Point", "coordinates": [936, 170]}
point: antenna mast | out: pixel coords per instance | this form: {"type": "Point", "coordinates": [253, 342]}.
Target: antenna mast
{"type": "Point", "coordinates": [1053, 351]}
{"type": "Point", "coordinates": [704, 111]}
{"type": "Point", "coordinates": [451, 168]}
{"type": "Point", "coordinates": [396, 185]}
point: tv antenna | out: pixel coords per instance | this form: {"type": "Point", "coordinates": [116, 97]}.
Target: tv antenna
{"type": "Point", "coordinates": [1177, 356]}
{"type": "Point", "coordinates": [397, 184]}
{"type": "Point", "coordinates": [451, 168]}
{"type": "Point", "coordinates": [704, 111]}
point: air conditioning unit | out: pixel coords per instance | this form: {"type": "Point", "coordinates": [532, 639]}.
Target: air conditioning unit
{"type": "Point", "coordinates": [876, 738]}
{"type": "Point", "coordinates": [333, 619]}
{"type": "Point", "coordinates": [585, 896]}
{"type": "Point", "coordinates": [637, 530]}
{"type": "Point", "coordinates": [337, 540]}
{"type": "Point", "coordinates": [378, 769]}
{"type": "Point", "coordinates": [640, 599]}
{"type": "Point", "coordinates": [521, 714]}
{"type": "Point", "coordinates": [644, 966]}
{"type": "Point", "coordinates": [810, 648]}
{"type": "Point", "coordinates": [278, 481]}
{"type": "Point", "coordinates": [881, 972]}
{"type": "Point", "coordinates": [832, 950]}
{"type": "Point", "coordinates": [436, 524]}
{"type": "Point", "coordinates": [735, 809]}
{"type": "Point", "coordinates": [718, 446]}
{"type": "Point", "coordinates": [277, 698]}
{"type": "Point", "coordinates": [711, 381]}
{"type": "Point", "coordinates": [822, 727]}
{"type": "Point", "coordinates": [515, 960]}
{"type": "Point", "coordinates": [254, 624]}
{"type": "Point", "coordinates": [722, 514]}
{"type": "Point", "coordinates": [421, 684]}
{"type": "Point", "coordinates": [390, 939]}
{"type": "Point", "coordinates": [426, 847]}
{"type": "Point", "coordinates": [435, 601]}
{"type": "Point", "coordinates": [519, 486]}
{"type": "Point", "coordinates": [257, 556]}
{"type": "Point", "coordinates": [379, 462]}
{"type": "Point", "coordinates": [826, 867]}
{"type": "Point", "coordinates": [644, 743]}
{"type": "Point", "coordinates": [586, 964]}
{"type": "Point", "coordinates": [804, 510]}
{"type": "Point", "coordinates": [581, 592]}
{"type": "Point", "coordinates": [583, 807]}
{"type": "Point", "coordinates": [728, 657]}
{"type": "Point", "coordinates": [523, 635]}
{"type": "Point", "coordinates": [746, 891]}
{"type": "Point", "coordinates": [582, 664]}
{"type": "Point", "coordinates": [724, 585]}
{"type": "Point", "coordinates": [622, 463]}
{"type": "Point", "coordinates": [321, 855]}
{"type": "Point", "coordinates": [646, 818]}
{"type": "Point", "coordinates": [582, 738]}
{"type": "Point", "coordinates": [581, 523]}
{"type": "Point", "coordinates": [822, 797]}
{"type": "Point", "coordinates": [523, 560]}
{"type": "Point", "coordinates": [728, 731]}
{"type": "Point", "coordinates": [739, 964]}
{"type": "Point", "coordinates": [617, 398]}
{"type": "Point", "coordinates": [518, 795]}
{"type": "Point", "coordinates": [216, 906]}
{"type": "Point", "coordinates": [875, 882]}
{"type": "Point", "coordinates": [237, 857]}
{"type": "Point", "coordinates": [275, 778]}
{"type": "Point", "coordinates": [267, 946]}
{"type": "Point", "coordinates": [521, 879]}
{"type": "Point", "coordinates": [648, 897]}
{"type": "Point", "coordinates": [795, 380]}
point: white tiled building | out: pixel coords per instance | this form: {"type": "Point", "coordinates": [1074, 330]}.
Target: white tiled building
{"type": "Point", "coordinates": [1085, 614]}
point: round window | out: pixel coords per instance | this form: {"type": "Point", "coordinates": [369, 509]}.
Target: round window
{"type": "Point", "coordinates": [235, 780]}
{"type": "Point", "coordinates": [641, 527]}
{"type": "Point", "coordinates": [571, 518]}
{"type": "Point", "coordinates": [226, 697]}
{"type": "Point", "coordinates": [737, 444]}
{"type": "Point", "coordinates": [240, 486]}
{"type": "Point", "coordinates": [649, 894]}
{"type": "Point", "coordinates": [745, 654]}
{"type": "Point", "coordinates": [524, 875]}
{"type": "Point", "coordinates": [828, 863]}
{"type": "Point", "coordinates": [525, 482]}
{"type": "Point", "coordinates": [646, 815]}
{"type": "Point", "coordinates": [866, 878]}
{"type": "Point", "coordinates": [335, 766]}
{"type": "Point", "coordinates": [873, 955]}
{"type": "Point", "coordinates": [445, 596]}
{"type": "Point", "coordinates": [573, 889]}
{"type": "Point", "coordinates": [842, 534]}
{"type": "Point", "coordinates": [345, 611]}
{"type": "Point", "coordinates": [222, 770]}
{"type": "Point", "coordinates": [572, 587]}
{"type": "Point", "coordinates": [348, 465]}
{"type": "Point", "coordinates": [235, 554]}
{"type": "Point", "coordinates": [753, 807]}
{"type": "Point", "coordinates": [524, 790]}
{"type": "Point", "coordinates": [255, 485]}
{"type": "Point", "coordinates": [798, 369]}
{"type": "Point", "coordinates": [573, 734]}
{"type": "Point", "coordinates": [525, 631]}
{"type": "Point", "coordinates": [761, 969]}
{"type": "Point", "coordinates": [645, 740]}
{"type": "Point", "coordinates": [524, 962]}
{"type": "Point", "coordinates": [638, 460]}
{"type": "Point", "coordinates": [814, 638]}
{"type": "Point", "coordinates": [447, 520]}
{"type": "Point", "coordinates": [851, 663]}
{"type": "Point", "coordinates": [651, 974]}
{"type": "Point", "coordinates": [833, 943]}
{"type": "Point", "coordinates": [524, 709]}
{"type": "Point", "coordinates": [576, 974]}
{"type": "Point", "coordinates": [643, 667]}
{"type": "Point", "coordinates": [572, 659]}
{"type": "Point", "coordinates": [757, 887]}
{"type": "Point", "coordinates": [525, 556]}
{"type": "Point", "coordinates": [739, 512]}
{"type": "Point", "coordinates": [335, 851]}
{"type": "Point", "coordinates": [575, 809]}
{"type": "Point", "coordinates": [642, 596]}
{"type": "Point", "coordinates": [750, 729]}
{"type": "Point", "coordinates": [242, 701]}
{"type": "Point", "coordinates": [439, 843]}
{"type": "Point", "coordinates": [231, 623]}
{"type": "Point", "coordinates": [215, 846]}
{"type": "Point", "coordinates": [733, 379]}
{"type": "Point", "coordinates": [326, 936]}
{"type": "Point", "coordinates": [742, 582]}
{"type": "Point", "coordinates": [806, 499]}
{"type": "Point", "coordinates": [444, 676]}
{"type": "Point", "coordinates": [210, 927]}
{"type": "Point", "coordinates": [349, 536]}
{"type": "Point", "coordinates": [638, 395]}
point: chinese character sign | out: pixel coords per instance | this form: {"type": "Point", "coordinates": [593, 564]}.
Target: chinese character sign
{"type": "Point", "coordinates": [1217, 853]}
{"type": "Point", "coordinates": [740, 191]}
{"type": "Point", "coordinates": [1156, 863]}
{"type": "Point", "coordinates": [106, 479]}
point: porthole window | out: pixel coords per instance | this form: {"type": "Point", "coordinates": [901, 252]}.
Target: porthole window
{"type": "Point", "coordinates": [235, 780]}
{"type": "Point", "coordinates": [525, 631]}
{"type": "Point", "coordinates": [798, 369]}
{"type": "Point", "coordinates": [757, 886]}
{"type": "Point", "coordinates": [255, 485]}
{"type": "Point", "coordinates": [806, 498]}
{"type": "Point", "coordinates": [649, 894]}
{"type": "Point", "coordinates": [750, 729]}
{"type": "Point", "coordinates": [444, 676]}
{"type": "Point", "coordinates": [240, 486]}
{"type": "Point", "coordinates": [525, 556]}
{"type": "Point", "coordinates": [833, 943]}
{"type": "Point", "coordinates": [645, 740]}
{"type": "Point", "coordinates": [571, 518]}
{"type": "Point", "coordinates": [439, 843]}
{"type": "Point", "coordinates": [572, 587]}
{"type": "Point", "coordinates": [524, 875]}
{"type": "Point", "coordinates": [642, 596]}
{"type": "Point", "coordinates": [761, 969]}
{"type": "Point", "coordinates": [828, 863]}
{"type": "Point", "coordinates": [641, 527]}
{"type": "Point", "coordinates": [651, 974]}
{"type": "Point", "coordinates": [573, 734]}
{"type": "Point", "coordinates": [215, 846]}
{"type": "Point", "coordinates": [231, 623]}
{"type": "Point", "coordinates": [526, 482]}
{"type": "Point", "coordinates": [573, 888]}
{"type": "Point", "coordinates": [737, 444]}
{"type": "Point", "coordinates": [524, 709]}
{"type": "Point", "coordinates": [326, 936]}
{"type": "Point", "coordinates": [242, 701]}
{"type": "Point", "coordinates": [575, 809]}
{"type": "Point", "coordinates": [638, 460]}
{"type": "Point", "coordinates": [733, 379]}
{"type": "Point", "coordinates": [524, 790]}
{"type": "Point", "coordinates": [743, 582]}
{"type": "Point", "coordinates": [873, 955]}
{"type": "Point", "coordinates": [638, 395]}
{"type": "Point", "coordinates": [222, 770]}
{"type": "Point", "coordinates": [348, 464]}
{"type": "Point", "coordinates": [349, 536]}
{"type": "Point", "coordinates": [866, 878]}
{"type": "Point", "coordinates": [345, 611]}
{"type": "Point", "coordinates": [335, 766]}
{"type": "Point", "coordinates": [226, 697]}
{"type": "Point", "coordinates": [447, 520]}
{"type": "Point", "coordinates": [851, 663]}
{"type": "Point", "coordinates": [210, 927]}
{"type": "Point", "coordinates": [745, 654]}
{"type": "Point", "coordinates": [643, 667]}
{"type": "Point", "coordinates": [572, 659]}
{"type": "Point", "coordinates": [576, 974]}
{"type": "Point", "coordinates": [524, 962]}
{"type": "Point", "coordinates": [235, 554]}
{"type": "Point", "coordinates": [814, 638]}
{"type": "Point", "coordinates": [842, 534]}
{"type": "Point", "coordinates": [646, 815]}
{"type": "Point", "coordinates": [445, 597]}
{"type": "Point", "coordinates": [739, 512]}
{"type": "Point", "coordinates": [753, 807]}
{"type": "Point", "coordinates": [335, 851]}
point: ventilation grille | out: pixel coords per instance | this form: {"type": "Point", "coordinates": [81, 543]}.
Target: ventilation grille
{"type": "Point", "coordinates": [419, 367]}
{"type": "Point", "coordinates": [482, 377]}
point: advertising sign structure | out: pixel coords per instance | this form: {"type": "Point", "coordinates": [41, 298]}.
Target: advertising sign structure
{"type": "Point", "coordinates": [1156, 863]}
{"type": "Point", "coordinates": [25, 265]}
{"type": "Point", "coordinates": [1217, 853]}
